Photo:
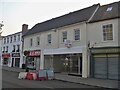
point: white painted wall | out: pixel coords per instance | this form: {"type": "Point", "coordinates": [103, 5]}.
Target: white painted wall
{"type": "Point", "coordinates": [95, 34]}
{"type": "Point", "coordinates": [57, 42]}
{"type": "Point", "coordinates": [0, 50]}
{"type": "Point", "coordinates": [10, 47]}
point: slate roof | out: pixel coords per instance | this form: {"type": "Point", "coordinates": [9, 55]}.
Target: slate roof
{"type": "Point", "coordinates": [67, 19]}
{"type": "Point", "coordinates": [103, 14]}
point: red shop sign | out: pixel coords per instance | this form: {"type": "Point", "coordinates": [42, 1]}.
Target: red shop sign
{"type": "Point", "coordinates": [6, 55]}
{"type": "Point", "coordinates": [34, 53]}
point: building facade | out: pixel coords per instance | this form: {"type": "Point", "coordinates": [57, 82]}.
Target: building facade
{"type": "Point", "coordinates": [1, 25]}
{"type": "Point", "coordinates": [73, 42]}
{"type": "Point", "coordinates": [12, 50]}
{"type": "Point", "coordinates": [0, 49]}
{"type": "Point", "coordinates": [61, 43]}
{"type": "Point", "coordinates": [105, 46]}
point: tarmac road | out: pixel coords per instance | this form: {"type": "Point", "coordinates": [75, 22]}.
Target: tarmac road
{"type": "Point", "coordinates": [10, 80]}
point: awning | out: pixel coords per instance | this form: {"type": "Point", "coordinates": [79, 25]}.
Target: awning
{"type": "Point", "coordinates": [71, 50]}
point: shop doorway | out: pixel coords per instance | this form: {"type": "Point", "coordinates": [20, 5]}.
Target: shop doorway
{"type": "Point", "coordinates": [76, 64]}
{"type": "Point", "coordinates": [12, 62]}
{"type": "Point", "coordinates": [17, 62]}
{"type": "Point", "coordinates": [72, 64]}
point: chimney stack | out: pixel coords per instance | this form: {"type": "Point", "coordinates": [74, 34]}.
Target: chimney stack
{"type": "Point", "coordinates": [24, 28]}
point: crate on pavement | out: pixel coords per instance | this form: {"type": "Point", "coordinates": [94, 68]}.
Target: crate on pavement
{"type": "Point", "coordinates": [50, 74]}
{"type": "Point", "coordinates": [42, 75]}
{"type": "Point", "coordinates": [32, 76]}
{"type": "Point", "coordinates": [29, 76]}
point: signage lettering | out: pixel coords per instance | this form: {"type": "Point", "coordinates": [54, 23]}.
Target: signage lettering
{"type": "Point", "coordinates": [34, 53]}
{"type": "Point", "coordinates": [15, 54]}
{"type": "Point", "coordinates": [6, 55]}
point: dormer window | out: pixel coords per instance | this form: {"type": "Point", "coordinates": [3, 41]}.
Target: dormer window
{"type": "Point", "coordinates": [109, 9]}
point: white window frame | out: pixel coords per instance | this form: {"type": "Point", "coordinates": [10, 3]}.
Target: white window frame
{"type": "Point", "coordinates": [112, 33]}
{"type": "Point", "coordinates": [37, 41]}
{"type": "Point", "coordinates": [4, 40]}
{"type": "Point", "coordinates": [49, 38]}
{"type": "Point", "coordinates": [11, 39]}
{"type": "Point", "coordinates": [7, 39]}
{"type": "Point", "coordinates": [31, 42]}
{"type": "Point", "coordinates": [14, 38]}
{"type": "Point", "coordinates": [18, 37]}
{"type": "Point", "coordinates": [64, 37]}
{"type": "Point", "coordinates": [75, 34]}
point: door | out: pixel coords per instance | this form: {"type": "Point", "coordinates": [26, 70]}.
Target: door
{"type": "Point", "coordinates": [12, 62]}
{"type": "Point", "coordinates": [17, 62]}
{"type": "Point", "coordinates": [100, 67]}
{"type": "Point", "coordinates": [106, 67]}
{"type": "Point", "coordinates": [113, 68]}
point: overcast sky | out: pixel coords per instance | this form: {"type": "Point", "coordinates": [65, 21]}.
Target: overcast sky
{"type": "Point", "coordinates": [14, 13]}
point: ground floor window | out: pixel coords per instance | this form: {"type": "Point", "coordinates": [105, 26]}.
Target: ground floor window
{"type": "Point", "coordinates": [5, 61]}
{"type": "Point", "coordinates": [33, 62]}
{"type": "Point", "coordinates": [65, 63]}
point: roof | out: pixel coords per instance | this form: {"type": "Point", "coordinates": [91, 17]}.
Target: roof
{"type": "Point", "coordinates": [105, 12]}
{"type": "Point", "coordinates": [12, 34]}
{"type": "Point", "coordinates": [67, 19]}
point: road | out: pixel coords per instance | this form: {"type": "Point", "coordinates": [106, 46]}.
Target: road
{"type": "Point", "coordinates": [10, 80]}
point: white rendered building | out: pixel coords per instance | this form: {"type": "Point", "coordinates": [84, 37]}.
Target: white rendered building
{"type": "Point", "coordinates": [12, 50]}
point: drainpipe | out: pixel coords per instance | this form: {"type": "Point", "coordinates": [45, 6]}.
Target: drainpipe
{"type": "Point", "coordinates": [88, 41]}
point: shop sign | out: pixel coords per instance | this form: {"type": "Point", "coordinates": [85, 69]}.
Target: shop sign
{"type": "Point", "coordinates": [6, 55]}
{"type": "Point", "coordinates": [34, 53]}
{"type": "Point", "coordinates": [107, 50]}
{"type": "Point", "coordinates": [15, 54]}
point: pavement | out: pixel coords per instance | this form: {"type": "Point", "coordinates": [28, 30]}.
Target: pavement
{"type": "Point", "coordinates": [113, 84]}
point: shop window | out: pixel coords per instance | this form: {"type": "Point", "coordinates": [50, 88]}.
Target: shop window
{"type": "Point", "coordinates": [107, 32]}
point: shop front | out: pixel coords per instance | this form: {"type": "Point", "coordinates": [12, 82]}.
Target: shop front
{"type": "Point", "coordinates": [6, 59]}
{"type": "Point", "coordinates": [33, 59]}
{"type": "Point", "coordinates": [66, 61]}
{"type": "Point", "coordinates": [105, 63]}
{"type": "Point", "coordinates": [15, 60]}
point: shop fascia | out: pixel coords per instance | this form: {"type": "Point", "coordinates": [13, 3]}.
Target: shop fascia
{"type": "Point", "coordinates": [32, 53]}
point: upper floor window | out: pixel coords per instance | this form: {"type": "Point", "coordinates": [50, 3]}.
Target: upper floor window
{"type": "Point", "coordinates": [18, 48]}
{"type": "Point", "coordinates": [49, 38]}
{"type": "Point", "coordinates": [77, 34]}
{"type": "Point", "coordinates": [108, 32]}
{"type": "Point", "coordinates": [14, 38]}
{"type": "Point", "coordinates": [109, 9]}
{"type": "Point", "coordinates": [38, 41]}
{"type": "Point", "coordinates": [64, 36]}
{"type": "Point", "coordinates": [18, 37]}
{"type": "Point", "coordinates": [6, 48]}
{"type": "Point", "coordinates": [13, 48]}
{"type": "Point", "coordinates": [7, 39]}
{"type": "Point", "coordinates": [4, 40]}
{"type": "Point", "coordinates": [31, 42]}
{"type": "Point", "coordinates": [11, 39]}
{"type": "Point", "coordinates": [3, 49]}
